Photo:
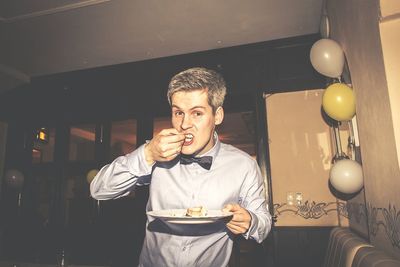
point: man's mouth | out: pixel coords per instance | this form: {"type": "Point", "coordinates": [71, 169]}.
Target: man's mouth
{"type": "Point", "coordinates": [188, 139]}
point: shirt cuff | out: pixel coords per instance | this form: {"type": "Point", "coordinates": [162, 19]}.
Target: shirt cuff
{"type": "Point", "coordinates": [137, 163]}
{"type": "Point", "coordinates": [253, 226]}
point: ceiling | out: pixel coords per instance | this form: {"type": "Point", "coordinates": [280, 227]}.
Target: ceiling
{"type": "Point", "coordinates": [50, 36]}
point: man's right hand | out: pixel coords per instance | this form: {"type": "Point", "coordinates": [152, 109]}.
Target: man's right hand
{"type": "Point", "coordinates": [165, 146]}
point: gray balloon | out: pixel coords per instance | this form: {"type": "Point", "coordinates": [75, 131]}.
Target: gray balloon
{"type": "Point", "coordinates": [14, 178]}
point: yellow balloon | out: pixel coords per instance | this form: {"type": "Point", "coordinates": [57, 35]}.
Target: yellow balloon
{"type": "Point", "coordinates": [91, 174]}
{"type": "Point", "coordinates": [339, 102]}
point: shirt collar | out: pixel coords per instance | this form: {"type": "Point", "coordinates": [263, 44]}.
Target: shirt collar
{"type": "Point", "coordinates": [213, 152]}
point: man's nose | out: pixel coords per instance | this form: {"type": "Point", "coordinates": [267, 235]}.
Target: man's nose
{"type": "Point", "coordinates": [186, 122]}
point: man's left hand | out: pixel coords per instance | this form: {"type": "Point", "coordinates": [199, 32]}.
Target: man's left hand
{"type": "Point", "coordinates": [241, 220]}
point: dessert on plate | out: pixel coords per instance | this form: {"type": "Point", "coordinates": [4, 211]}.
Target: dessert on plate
{"type": "Point", "coordinates": [196, 212]}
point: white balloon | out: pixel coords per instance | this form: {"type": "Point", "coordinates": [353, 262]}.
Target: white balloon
{"type": "Point", "coordinates": [327, 58]}
{"type": "Point", "coordinates": [346, 176]}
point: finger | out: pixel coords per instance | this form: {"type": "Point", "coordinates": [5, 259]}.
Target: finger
{"type": "Point", "coordinates": [169, 148]}
{"type": "Point", "coordinates": [241, 223]}
{"type": "Point", "coordinates": [238, 217]}
{"type": "Point", "coordinates": [167, 158]}
{"type": "Point", "coordinates": [169, 131]}
{"type": "Point", "coordinates": [227, 207]}
{"type": "Point", "coordinates": [243, 219]}
{"type": "Point", "coordinates": [233, 207]}
{"type": "Point", "coordinates": [235, 228]}
{"type": "Point", "coordinates": [175, 138]}
{"type": "Point", "coordinates": [171, 153]}
{"type": "Point", "coordinates": [234, 231]}
{"type": "Point", "coordinates": [236, 207]}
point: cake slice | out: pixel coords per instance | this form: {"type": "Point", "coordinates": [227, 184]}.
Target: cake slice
{"type": "Point", "coordinates": [196, 212]}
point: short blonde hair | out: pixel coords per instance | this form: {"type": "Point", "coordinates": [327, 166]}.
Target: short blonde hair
{"type": "Point", "coordinates": [200, 78]}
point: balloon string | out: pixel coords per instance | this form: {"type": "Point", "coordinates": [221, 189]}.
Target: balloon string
{"type": "Point", "coordinates": [19, 200]}
{"type": "Point", "coordinates": [337, 141]}
{"type": "Point", "coordinates": [351, 142]}
{"type": "Point", "coordinates": [98, 207]}
{"type": "Point", "coordinates": [19, 204]}
{"type": "Point", "coordinates": [101, 133]}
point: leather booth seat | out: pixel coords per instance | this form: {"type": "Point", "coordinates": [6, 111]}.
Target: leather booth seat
{"type": "Point", "coordinates": [347, 249]}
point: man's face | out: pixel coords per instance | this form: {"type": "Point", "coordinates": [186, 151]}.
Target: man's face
{"type": "Point", "coordinates": [193, 116]}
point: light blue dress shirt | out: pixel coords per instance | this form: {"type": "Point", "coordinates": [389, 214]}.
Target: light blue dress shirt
{"type": "Point", "coordinates": [234, 177]}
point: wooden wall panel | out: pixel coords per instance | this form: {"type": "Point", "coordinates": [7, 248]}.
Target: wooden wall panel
{"type": "Point", "coordinates": [300, 154]}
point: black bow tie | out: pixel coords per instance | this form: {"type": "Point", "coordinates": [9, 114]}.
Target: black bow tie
{"type": "Point", "coordinates": [204, 162]}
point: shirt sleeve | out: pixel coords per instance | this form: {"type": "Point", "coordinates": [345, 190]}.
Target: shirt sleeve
{"type": "Point", "coordinates": [253, 199]}
{"type": "Point", "coordinates": [118, 178]}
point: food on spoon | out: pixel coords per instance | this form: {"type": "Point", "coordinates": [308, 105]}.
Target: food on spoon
{"type": "Point", "coordinates": [196, 212]}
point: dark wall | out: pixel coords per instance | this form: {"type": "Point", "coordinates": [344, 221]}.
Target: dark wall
{"type": "Point", "coordinates": [134, 89]}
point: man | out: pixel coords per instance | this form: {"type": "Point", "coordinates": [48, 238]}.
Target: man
{"type": "Point", "coordinates": [187, 166]}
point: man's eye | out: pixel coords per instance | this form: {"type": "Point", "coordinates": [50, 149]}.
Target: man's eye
{"type": "Point", "coordinates": [198, 113]}
{"type": "Point", "coordinates": [178, 113]}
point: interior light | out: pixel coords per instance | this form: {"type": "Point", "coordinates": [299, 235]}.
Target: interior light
{"type": "Point", "coordinates": [42, 135]}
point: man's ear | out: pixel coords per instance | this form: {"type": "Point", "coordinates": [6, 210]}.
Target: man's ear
{"type": "Point", "coordinates": [219, 115]}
